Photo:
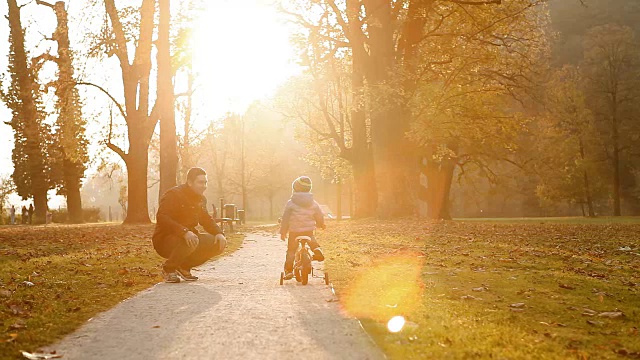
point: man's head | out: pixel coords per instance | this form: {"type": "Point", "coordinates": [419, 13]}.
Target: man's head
{"type": "Point", "coordinates": [301, 184]}
{"type": "Point", "coordinates": [197, 180]}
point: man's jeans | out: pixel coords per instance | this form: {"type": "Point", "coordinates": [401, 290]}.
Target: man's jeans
{"type": "Point", "coordinates": [180, 255]}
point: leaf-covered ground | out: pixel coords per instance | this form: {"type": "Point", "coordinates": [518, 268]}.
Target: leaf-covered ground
{"type": "Point", "coordinates": [54, 278]}
{"type": "Point", "coordinates": [491, 290]}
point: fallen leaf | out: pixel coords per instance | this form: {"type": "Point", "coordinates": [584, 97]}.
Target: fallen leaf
{"type": "Point", "coordinates": [517, 305]}
{"type": "Point", "coordinates": [589, 312]}
{"type": "Point", "coordinates": [480, 289]}
{"type": "Point", "coordinates": [20, 324]}
{"type": "Point", "coordinates": [5, 293]}
{"type": "Point", "coordinates": [612, 314]}
{"type": "Point", "coordinates": [469, 297]}
{"type": "Point", "coordinates": [40, 356]}
{"type": "Point", "coordinates": [28, 283]}
{"type": "Point", "coordinates": [11, 338]}
{"type": "Point", "coordinates": [566, 286]}
{"type": "Point", "coordinates": [156, 326]}
{"type": "Point", "coordinates": [595, 323]}
{"type": "Point", "coordinates": [16, 309]}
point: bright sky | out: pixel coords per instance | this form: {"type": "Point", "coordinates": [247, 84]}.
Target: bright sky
{"type": "Point", "coordinates": [241, 53]}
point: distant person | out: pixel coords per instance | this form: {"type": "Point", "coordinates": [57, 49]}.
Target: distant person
{"type": "Point", "coordinates": [30, 213]}
{"type": "Point", "coordinates": [12, 215]}
{"type": "Point", "coordinates": [25, 216]}
{"type": "Point", "coordinates": [176, 239]}
{"type": "Point", "coordinates": [301, 216]}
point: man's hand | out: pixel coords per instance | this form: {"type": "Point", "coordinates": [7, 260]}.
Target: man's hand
{"type": "Point", "coordinates": [283, 237]}
{"type": "Point", "coordinates": [191, 239]}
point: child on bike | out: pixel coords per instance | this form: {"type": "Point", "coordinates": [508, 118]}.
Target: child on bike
{"type": "Point", "coordinates": [301, 216]}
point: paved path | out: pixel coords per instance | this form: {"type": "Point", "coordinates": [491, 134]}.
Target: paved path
{"type": "Point", "coordinates": [237, 310]}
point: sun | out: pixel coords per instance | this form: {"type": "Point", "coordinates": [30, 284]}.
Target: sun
{"type": "Point", "coordinates": [241, 54]}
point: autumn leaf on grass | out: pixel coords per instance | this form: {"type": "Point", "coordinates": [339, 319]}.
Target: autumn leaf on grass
{"type": "Point", "coordinates": [566, 286]}
{"type": "Point", "coordinates": [11, 338]}
{"type": "Point", "coordinates": [19, 324]}
{"type": "Point", "coordinates": [40, 356]}
{"type": "Point", "coordinates": [612, 314]}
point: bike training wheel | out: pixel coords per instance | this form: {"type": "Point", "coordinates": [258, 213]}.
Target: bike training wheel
{"type": "Point", "coordinates": [281, 278]}
{"type": "Point", "coordinates": [326, 278]}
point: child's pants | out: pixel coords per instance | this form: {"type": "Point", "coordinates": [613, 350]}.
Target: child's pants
{"type": "Point", "coordinates": [292, 246]}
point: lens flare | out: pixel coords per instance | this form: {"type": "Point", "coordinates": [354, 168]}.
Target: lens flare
{"type": "Point", "coordinates": [396, 324]}
{"type": "Point", "coordinates": [387, 287]}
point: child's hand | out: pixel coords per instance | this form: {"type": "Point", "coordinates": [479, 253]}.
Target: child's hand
{"type": "Point", "coordinates": [283, 237]}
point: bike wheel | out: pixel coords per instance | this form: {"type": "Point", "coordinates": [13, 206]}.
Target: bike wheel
{"type": "Point", "coordinates": [297, 274]}
{"type": "Point", "coordinates": [306, 268]}
{"type": "Point", "coordinates": [326, 278]}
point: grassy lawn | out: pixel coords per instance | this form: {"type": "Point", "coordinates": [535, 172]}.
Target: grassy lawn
{"type": "Point", "coordinates": [497, 289]}
{"type": "Point", "coordinates": [55, 278]}
{"type": "Point", "coordinates": [562, 220]}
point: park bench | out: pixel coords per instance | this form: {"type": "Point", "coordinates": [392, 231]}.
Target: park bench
{"type": "Point", "coordinates": [229, 214]}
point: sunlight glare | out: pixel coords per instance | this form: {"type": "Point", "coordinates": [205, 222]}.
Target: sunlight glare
{"type": "Point", "coordinates": [242, 53]}
{"type": "Point", "coordinates": [396, 324]}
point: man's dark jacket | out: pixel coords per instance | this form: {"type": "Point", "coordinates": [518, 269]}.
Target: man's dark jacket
{"type": "Point", "coordinates": [181, 210]}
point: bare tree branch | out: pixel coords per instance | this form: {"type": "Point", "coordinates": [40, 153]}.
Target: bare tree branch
{"type": "Point", "coordinates": [118, 105]}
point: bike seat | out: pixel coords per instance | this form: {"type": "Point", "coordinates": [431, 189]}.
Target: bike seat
{"type": "Point", "coordinates": [303, 238]}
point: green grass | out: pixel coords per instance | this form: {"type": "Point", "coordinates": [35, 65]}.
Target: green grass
{"type": "Point", "coordinates": [76, 272]}
{"type": "Point", "coordinates": [458, 284]}
{"type": "Point", "coordinates": [561, 220]}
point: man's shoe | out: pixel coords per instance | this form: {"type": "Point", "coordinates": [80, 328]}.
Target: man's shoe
{"type": "Point", "coordinates": [170, 277]}
{"type": "Point", "coordinates": [288, 276]}
{"type": "Point", "coordinates": [186, 275]}
{"type": "Point", "coordinates": [318, 255]}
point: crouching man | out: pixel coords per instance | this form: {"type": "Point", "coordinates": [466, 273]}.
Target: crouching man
{"type": "Point", "coordinates": [175, 238]}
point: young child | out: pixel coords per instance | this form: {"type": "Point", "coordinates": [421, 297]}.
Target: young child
{"type": "Point", "coordinates": [300, 218]}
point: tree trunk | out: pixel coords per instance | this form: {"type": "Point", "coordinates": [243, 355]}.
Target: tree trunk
{"type": "Point", "coordinates": [363, 187]}
{"type": "Point", "coordinates": [187, 160]}
{"type": "Point", "coordinates": [587, 189]}
{"type": "Point", "coordinates": [339, 200]}
{"type": "Point", "coordinates": [439, 179]}
{"type": "Point", "coordinates": [361, 157]}
{"type": "Point", "coordinates": [28, 113]}
{"type": "Point", "coordinates": [392, 158]}
{"type": "Point", "coordinates": [271, 196]}
{"type": "Point", "coordinates": [616, 157]}
{"type": "Point", "coordinates": [168, 138]}
{"type": "Point", "coordinates": [140, 123]}
{"type": "Point", "coordinates": [616, 181]}
{"type": "Point", "coordinates": [137, 199]}
{"type": "Point", "coordinates": [71, 131]}
{"type": "Point", "coordinates": [72, 177]}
